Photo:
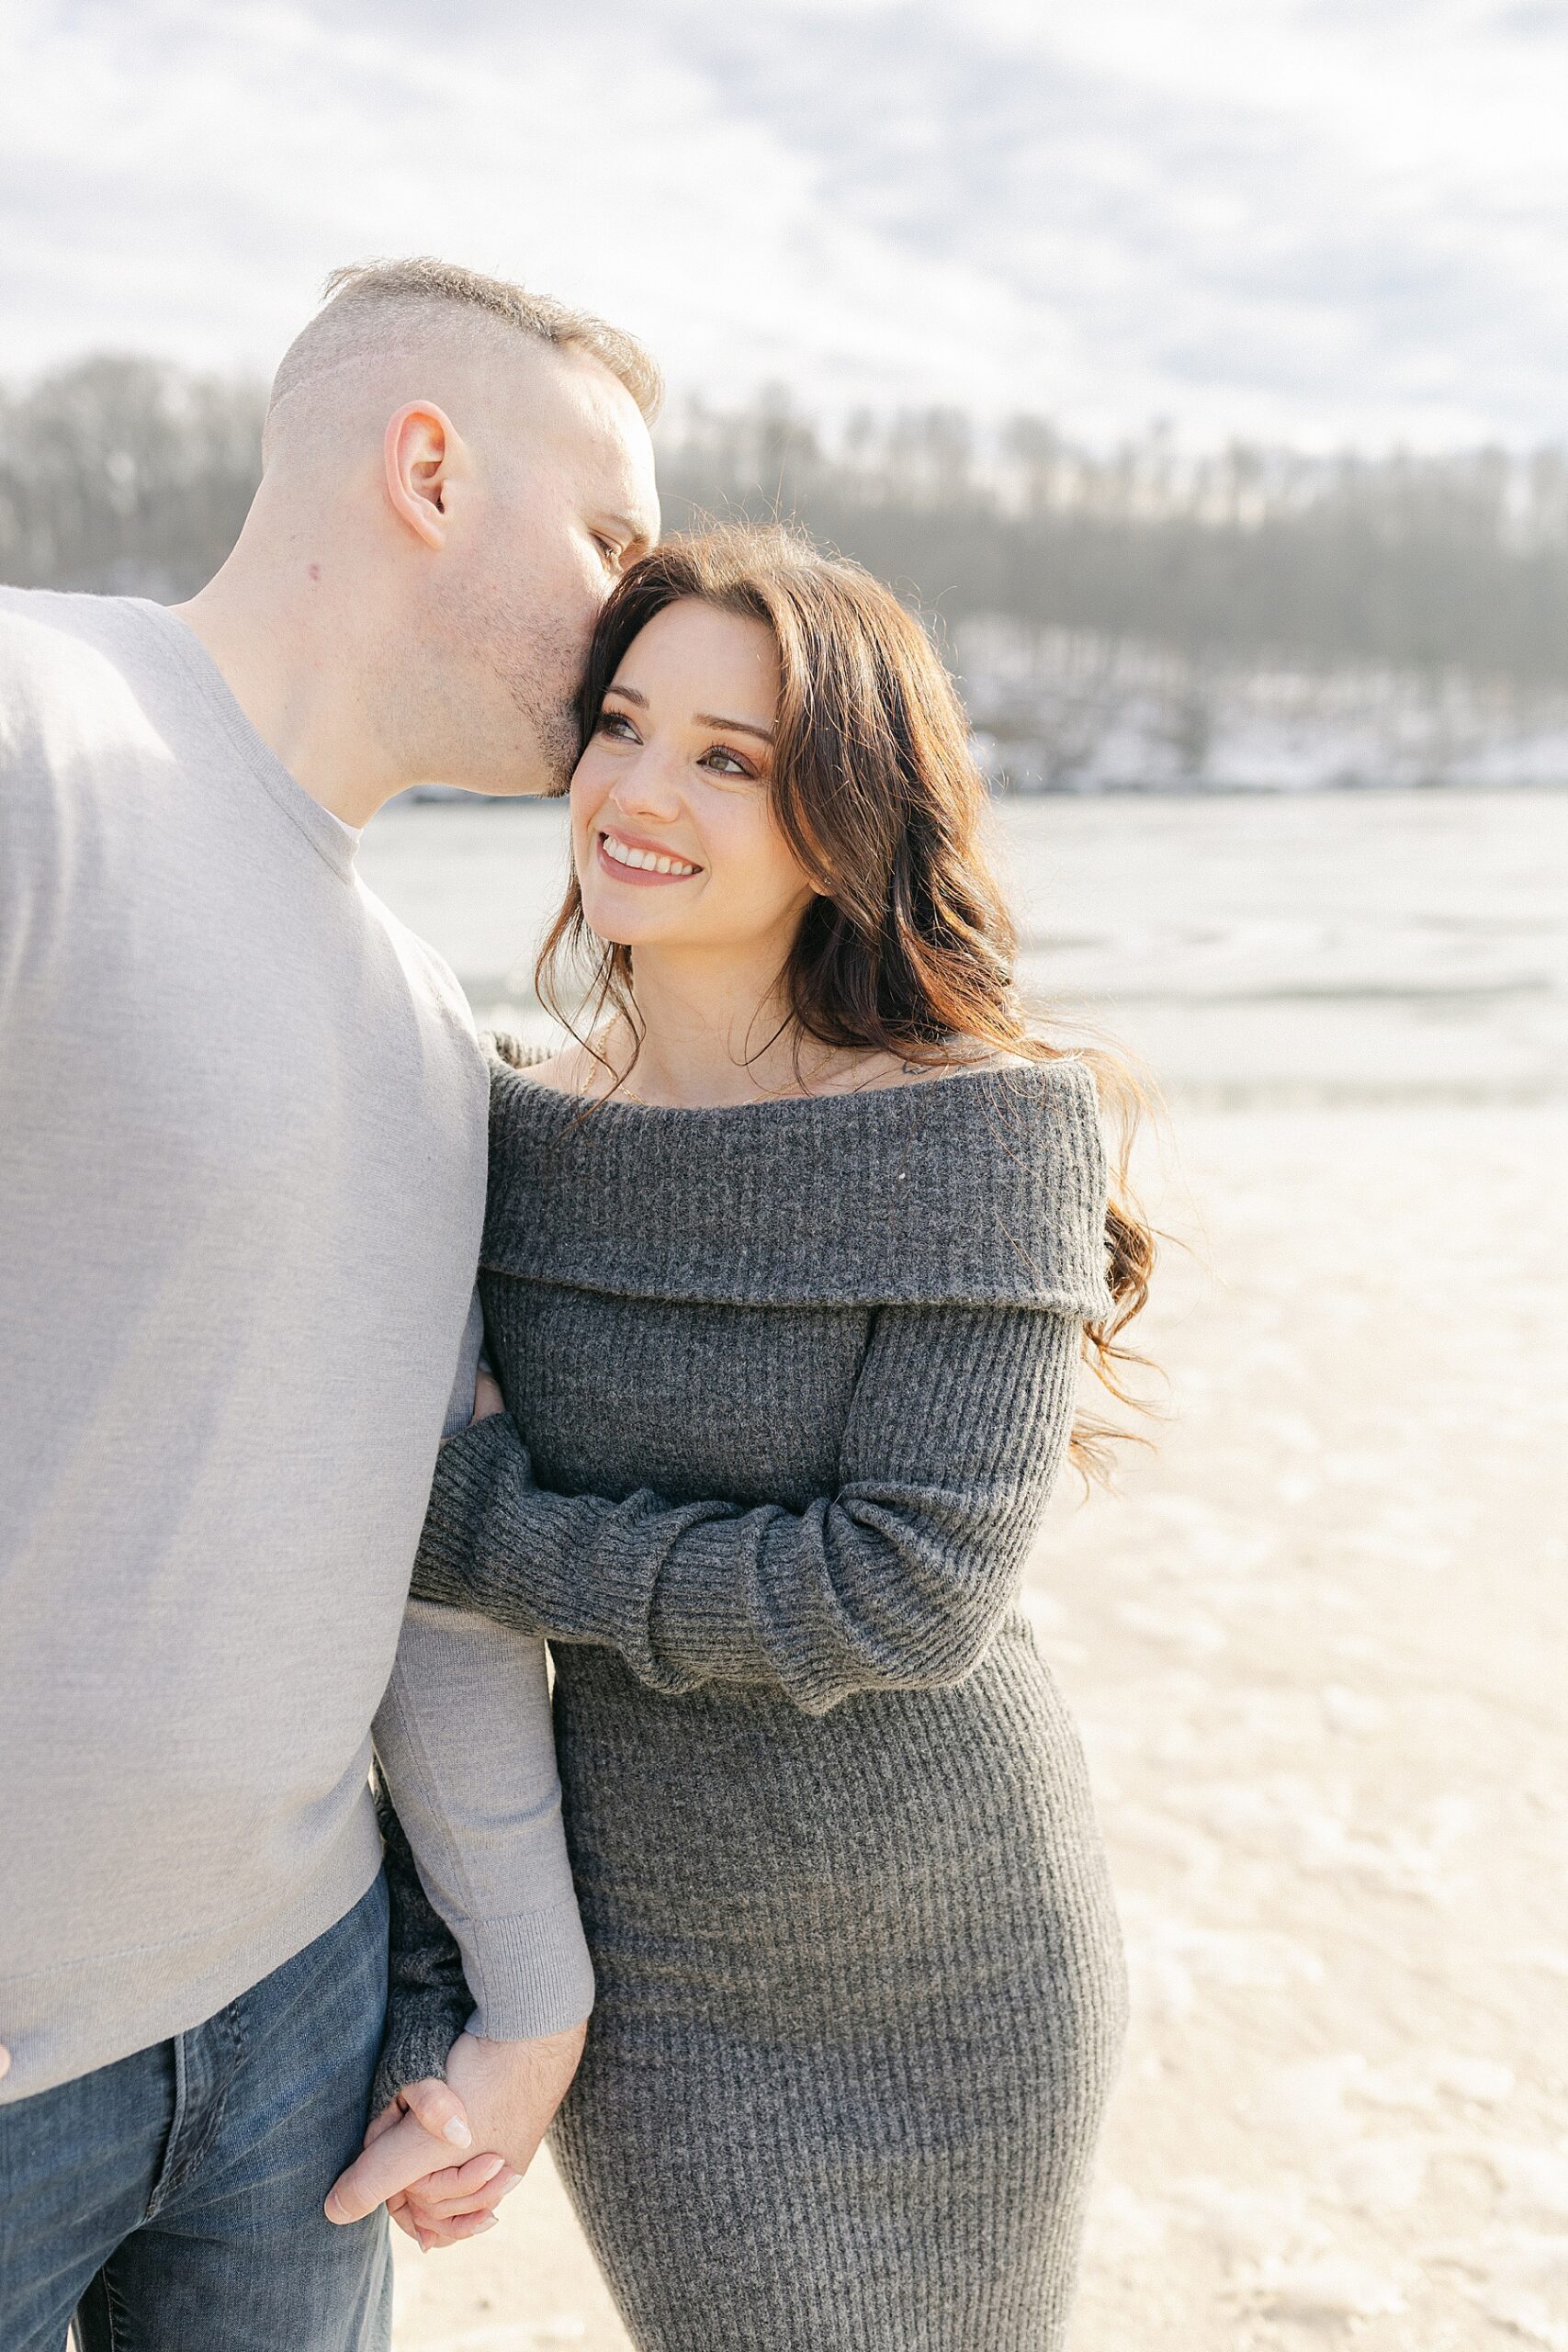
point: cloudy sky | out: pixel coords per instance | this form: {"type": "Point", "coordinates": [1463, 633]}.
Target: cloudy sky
{"type": "Point", "coordinates": [1322, 220]}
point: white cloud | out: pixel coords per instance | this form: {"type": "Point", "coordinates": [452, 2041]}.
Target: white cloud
{"type": "Point", "coordinates": [1302, 217]}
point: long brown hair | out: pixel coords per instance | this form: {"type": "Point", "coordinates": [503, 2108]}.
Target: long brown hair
{"type": "Point", "coordinates": [909, 948]}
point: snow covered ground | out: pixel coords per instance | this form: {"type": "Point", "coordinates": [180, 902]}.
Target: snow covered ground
{"type": "Point", "coordinates": [1069, 710]}
{"type": "Point", "coordinates": [1317, 1641]}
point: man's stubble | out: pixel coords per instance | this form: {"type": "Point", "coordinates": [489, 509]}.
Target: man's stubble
{"type": "Point", "coordinates": [541, 670]}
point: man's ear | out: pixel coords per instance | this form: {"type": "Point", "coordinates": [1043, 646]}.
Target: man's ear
{"type": "Point", "coordinates": [423, 453]}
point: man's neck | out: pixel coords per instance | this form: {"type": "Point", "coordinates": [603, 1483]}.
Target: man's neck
{"type": "Point", "coordinates": [292, 672]}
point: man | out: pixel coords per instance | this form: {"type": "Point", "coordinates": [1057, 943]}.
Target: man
{"type": "Point", "coordinates": [243, 1148]}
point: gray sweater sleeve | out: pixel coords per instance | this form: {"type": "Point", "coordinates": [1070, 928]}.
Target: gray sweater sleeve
{"type": "Point", "coordinates": [896, 1580]}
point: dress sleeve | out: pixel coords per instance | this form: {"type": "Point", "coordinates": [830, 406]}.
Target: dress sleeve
{"type": "Point", "coordinates": [896, 1580]}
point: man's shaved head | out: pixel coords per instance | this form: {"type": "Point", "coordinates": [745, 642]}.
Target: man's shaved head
{"type": "Point", "coordinates": [456, 473]}
{"type": "Point", "coordinates": [380, 318]}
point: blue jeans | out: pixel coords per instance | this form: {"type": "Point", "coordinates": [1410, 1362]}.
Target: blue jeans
{"type": "Point", "coordinates": [176, 2195]}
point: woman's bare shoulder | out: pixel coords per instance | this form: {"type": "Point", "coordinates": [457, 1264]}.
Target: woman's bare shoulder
{"type": "Point", "coordinates": [572, 1068]}
{"type": "Point", "coordinates": [965, 1056]}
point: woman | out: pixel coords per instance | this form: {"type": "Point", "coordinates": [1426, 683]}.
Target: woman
{"type": "Point", "coordinates": [787, 1272]}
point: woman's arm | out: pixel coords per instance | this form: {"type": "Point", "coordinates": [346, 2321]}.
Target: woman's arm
{"type": "Point", "coordinates": [428, 2001]}
{"type": "Point", "coordinates": [895, 1581]}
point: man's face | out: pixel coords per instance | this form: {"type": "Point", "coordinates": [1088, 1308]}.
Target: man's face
{"type": "Point", "coordinates": [565, 501]}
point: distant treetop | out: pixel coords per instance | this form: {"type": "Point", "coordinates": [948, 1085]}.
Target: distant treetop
{"type": "Point", "coordinates": [123, 474]}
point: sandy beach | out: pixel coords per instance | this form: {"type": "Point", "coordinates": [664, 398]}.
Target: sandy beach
{"type": "Point", "coordinates": [1316, 1641]}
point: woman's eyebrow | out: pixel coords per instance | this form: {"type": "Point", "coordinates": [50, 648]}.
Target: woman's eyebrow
{"type": "Point", "coordinates": [699, 717]}
{"type": "Point", "coordinates": [733, 726]}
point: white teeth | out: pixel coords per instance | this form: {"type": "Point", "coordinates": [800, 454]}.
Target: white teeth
{"type": "Point", "coordinates": [624, 854]}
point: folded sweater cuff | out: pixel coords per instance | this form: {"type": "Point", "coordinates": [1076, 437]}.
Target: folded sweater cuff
{"type": "Point", "coordinates": [529, 1975]}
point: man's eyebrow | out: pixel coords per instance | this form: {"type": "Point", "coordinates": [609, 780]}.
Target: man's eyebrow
{"type": "Point", "coordinates": [733, 726]}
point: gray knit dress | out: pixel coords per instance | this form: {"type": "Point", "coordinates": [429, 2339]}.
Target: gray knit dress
{"type": "Point", "coordinates": [787, 1386]}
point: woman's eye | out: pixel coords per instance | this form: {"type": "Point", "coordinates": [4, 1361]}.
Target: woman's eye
{"type": "Point", "coordinates": [734, 763]}
{"type": "Point", "coordinates": [617, 723]}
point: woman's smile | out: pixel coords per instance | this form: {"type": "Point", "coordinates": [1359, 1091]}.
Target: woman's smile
{"type": "Point", "coordinates": [644, 861]}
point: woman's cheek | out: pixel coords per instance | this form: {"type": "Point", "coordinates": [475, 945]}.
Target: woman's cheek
{"type": "Point", "coordinates": [587, 797]}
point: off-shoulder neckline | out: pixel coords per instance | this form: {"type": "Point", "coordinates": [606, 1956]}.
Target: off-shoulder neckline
{"type": "Point", "coordinates": [985, 1187]}
{"type": "Point", "coordinates": [1012, 1074]}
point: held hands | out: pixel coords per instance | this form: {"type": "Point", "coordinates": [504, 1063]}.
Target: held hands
{"type": "Point", "coordinates": [408, 2134]}
{"type": "Point", "coordinates": [502, 2095]}
{"type": "Point", "coordinates": [488, 1398]}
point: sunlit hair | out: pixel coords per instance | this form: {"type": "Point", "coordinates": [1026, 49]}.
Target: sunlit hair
{"type": "Point", "coordinates": [908, 947]}
{"type": "Point", "coordinates": [373, 304]}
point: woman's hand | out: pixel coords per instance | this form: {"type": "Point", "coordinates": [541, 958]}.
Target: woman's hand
{"type": "Point", "coordinates": [488, 1398]}
{"type": "Point", "coordinates": [452, 2202]}
{"type": "Point", "coordinates": [503, 2093]}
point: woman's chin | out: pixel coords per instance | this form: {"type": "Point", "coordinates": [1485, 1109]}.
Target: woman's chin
{"type": "Point", "coordinates": [624, 926]}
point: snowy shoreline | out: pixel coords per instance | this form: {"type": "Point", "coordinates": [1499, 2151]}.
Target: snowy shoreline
{"type": "Point", "coordinates": [1069, 711]}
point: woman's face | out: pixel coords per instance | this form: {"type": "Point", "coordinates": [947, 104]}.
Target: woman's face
{"type": "Point", "coordinates": [671, 821]}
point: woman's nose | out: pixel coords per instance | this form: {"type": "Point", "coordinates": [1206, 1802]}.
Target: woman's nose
{"type": "Point", "coordinates": [650, 788]}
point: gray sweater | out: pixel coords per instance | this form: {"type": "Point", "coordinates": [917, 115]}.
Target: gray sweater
{"type": "Point", "coordinates": [787, 1388]}
{"type": "Point", "coordinates": [242, 1179]}
{"type": "Point", "coordinates": [895, 1578]}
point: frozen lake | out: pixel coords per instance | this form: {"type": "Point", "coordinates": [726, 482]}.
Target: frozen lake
{"type": "Point", "coordinates": [1376, 945]}
{"type": "Point", "coordinates": [1317, 1641]}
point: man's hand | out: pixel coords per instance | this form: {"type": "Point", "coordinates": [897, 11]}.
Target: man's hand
{"type": "Point", "coordinates": [506, 2092]}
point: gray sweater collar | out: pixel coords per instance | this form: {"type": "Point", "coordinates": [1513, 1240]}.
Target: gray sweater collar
{"type": "Point", "coordinates": [985, 1188]}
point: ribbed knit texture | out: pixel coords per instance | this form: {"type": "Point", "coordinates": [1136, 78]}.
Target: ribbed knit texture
{"type": "Point", "coordinates": [787, 1386]}
{"type": "Point", "coordinates": [433, 2003]}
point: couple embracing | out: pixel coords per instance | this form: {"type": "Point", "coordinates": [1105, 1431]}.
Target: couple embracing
{"type": "Point", "coordinates": [788, 1260]}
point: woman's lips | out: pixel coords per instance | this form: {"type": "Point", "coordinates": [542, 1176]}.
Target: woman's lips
{"type": "Point", "coordinates": [646, 875]}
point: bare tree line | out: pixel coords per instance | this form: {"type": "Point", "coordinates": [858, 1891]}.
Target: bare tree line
{"type": "Point", "coordinates": [1247, 556]}
{"type": "Point", "coordinates": [123, 473]}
